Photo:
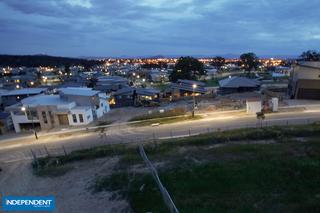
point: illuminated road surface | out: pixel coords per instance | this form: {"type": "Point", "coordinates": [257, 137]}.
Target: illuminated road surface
{"type": "Point", "coordinates": [20, 149]}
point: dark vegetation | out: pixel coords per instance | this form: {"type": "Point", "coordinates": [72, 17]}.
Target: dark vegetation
{"type": "Point", "coordinates": [168, 113]}
{"type": "Point", "coordinates": [43, 60]}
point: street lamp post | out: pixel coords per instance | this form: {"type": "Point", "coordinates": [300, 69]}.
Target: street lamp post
{"type": "Point", "coordinates": [24, 109]}
{"type": "Point", "coordinates": [194, 86]}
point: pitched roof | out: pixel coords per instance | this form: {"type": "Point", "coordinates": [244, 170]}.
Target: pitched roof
{"type": "Point", "coordinates": [236, 82]}
{"type": "Point", "coordinates": [139, 91]}
{"type": "Point", "coordinates": [81, 91]}
{"type": "Point", "coordinates": [30, 91]}
{"type": "Point", "coordinates": [44, 100]}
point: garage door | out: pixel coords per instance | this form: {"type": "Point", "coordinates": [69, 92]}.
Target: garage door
{"type": "Point", "coordinates": [63, 119]}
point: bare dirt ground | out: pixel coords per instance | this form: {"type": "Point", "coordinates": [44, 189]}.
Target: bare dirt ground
{"type": "Point", "coordinates": [73, 191]}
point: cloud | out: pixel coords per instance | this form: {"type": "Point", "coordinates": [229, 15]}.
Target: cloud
{"type": "Point", "coordinates": [139, 27]}
{"type": "Point", "coordinates": [80, 3]}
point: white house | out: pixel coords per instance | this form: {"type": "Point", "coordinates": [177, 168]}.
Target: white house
{"type": "Point", "coordinates": [71, 107]}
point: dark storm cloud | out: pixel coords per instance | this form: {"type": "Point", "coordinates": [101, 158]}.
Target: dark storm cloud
{"type": "Point", "coordinates": [147, 27]}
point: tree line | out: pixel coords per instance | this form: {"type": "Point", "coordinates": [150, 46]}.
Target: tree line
{"type": "Point", "coordinates": [44, 60]}
{"type": "Point", "coordinates": [191, 68]}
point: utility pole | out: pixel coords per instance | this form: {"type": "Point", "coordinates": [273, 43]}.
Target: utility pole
{"type": "Point", "coordinates": [194, 86]}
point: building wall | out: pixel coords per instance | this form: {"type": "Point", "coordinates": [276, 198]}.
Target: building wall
{"type": "Point", "coordinates": [304, 82]}
{"type": "Point", "coordinates": [47, 117]}
{"type": "Point", "coordinates": [103, 108]}
{"type": "Point", "coordinates": [86, 113]}
{"type": "Point", "coordinates": [20, 118]}
{"type": "Point", "coordinates": [254, 106]}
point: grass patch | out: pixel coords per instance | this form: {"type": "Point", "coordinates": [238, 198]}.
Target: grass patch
{"type": "Point", "coordinates": [104, 123]}
{"type": "Point", "coordinates": [169, 113]}
{"type": "Point", "coordinates": [278, 133]}
{"type": "Point", "coordinates": [166, 120]}
{"type": "Point", "coordinates": [212, 82]}
{"type": "Point", "coordinates": [134, 190]}
{"type": "Point", "coordinates": [161, 86]}
{"type": "Point", "coordinates": [270, 181]}
{"type": "Point", "coordinates": [53, 171]}
{"type": "Point", "coordinates": [56, 166]}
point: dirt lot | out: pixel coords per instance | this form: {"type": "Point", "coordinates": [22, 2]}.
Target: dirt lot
{"type": "Point", "coordinates": [73, 191]}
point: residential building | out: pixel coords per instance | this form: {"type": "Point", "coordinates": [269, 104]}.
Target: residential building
{"type": "Point", "coordinates": [109, 84]}
{"type": "Point", "coordinates": [14, 96]}
{"type": "Point", "coordinates": [305, 80]}
{"type": "Point", "coordinates": [71, 107]}
{"type": "Point", "coordinates": [235, 84]}
{"type": "Point", "coordinates": [131, 96]}
{"type": "Point", "coordinates": [187, 88]}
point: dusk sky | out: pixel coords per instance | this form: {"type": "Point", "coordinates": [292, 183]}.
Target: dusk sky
{"type": "Point", "coordinates": [158, 27]}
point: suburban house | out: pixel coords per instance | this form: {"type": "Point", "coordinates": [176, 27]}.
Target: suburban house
{"type": "Point", "coordinates": [187, 88]}
{"type": "Point", "coordinates": [237, 84]}
{"type": "Point", "coordinates": [305, 80]}
{"type": "Point", "coordinates": [108, 84]}
{"type": "Point", "coordinates": [131, 96]}
{"type": "Point", "coordinates": [14, 96]}
{"type": "Point", "coordinates": [70, 107]}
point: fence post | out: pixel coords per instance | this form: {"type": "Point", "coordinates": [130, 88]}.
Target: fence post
{"type": "Point", "coordinates": [189, 132]}
{"type": "Point", "coordinates": [64, 150]}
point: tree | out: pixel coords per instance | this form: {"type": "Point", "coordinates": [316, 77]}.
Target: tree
{"type": "Point", "coordinates": [249, 61]}
{"type": "Point", "coordinates": [67, 70]}
{"type": "Point", "coordinates": [187, 68]}
{"type": "Point", "coordinates": [310, 55]}
{"type": "Point", "coordinates": [218, 62]}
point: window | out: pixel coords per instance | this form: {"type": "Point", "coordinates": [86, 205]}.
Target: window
{"type": "Point", "coordinates": [44, 116]}
{"type": "Point", "coordinates": [81, 118]}
{"type": "Point", "coordinates": [51, 117]}
{"type": "Point", "coordinates": [74, 118]}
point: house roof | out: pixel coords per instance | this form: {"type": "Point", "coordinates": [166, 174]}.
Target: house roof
{"type": "Point", "coordinates": [44, 100]}
{"type": "Point", "coordinates": [28, 91]}
{"type": "Point", "coordinates": [81, 91]}
{"type": "Point", "coordinates": [112, 79]}
{"type": "Point", "coordinates": [310, 64]}
{"type": "Point", "coordinates": [187, 85]}
{"type": "Point", "coordinates": [139, 91]}
{"type": "Point", "coordinates": [236, 82]}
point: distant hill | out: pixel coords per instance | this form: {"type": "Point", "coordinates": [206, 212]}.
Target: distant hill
{"type": "Point", "coordinates": [43, 60]}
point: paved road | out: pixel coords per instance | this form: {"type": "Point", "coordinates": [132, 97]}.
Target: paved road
{"type": "Point", "coordinates": [17, 150]}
